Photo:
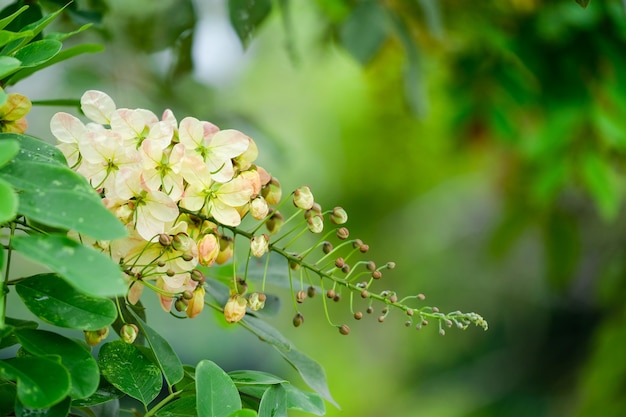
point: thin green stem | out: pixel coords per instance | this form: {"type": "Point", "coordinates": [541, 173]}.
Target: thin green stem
{"type": "Point", "coordinates": [5, 281]}
{"type": "Point", "coordinates": [162, 403]}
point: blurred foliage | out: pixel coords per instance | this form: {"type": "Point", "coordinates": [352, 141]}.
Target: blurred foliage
{"type": "Point", "coordinates": [488, 139]}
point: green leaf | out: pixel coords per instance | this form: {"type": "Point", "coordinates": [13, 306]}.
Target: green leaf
{"type": "Point", "coordinates": [583, 3]}
{"type": "Point", "coordinates": [364, 31]}
{"type": "Point", "coordinates": [88, 270]}
{"type": "Point", "coordinates": [63, 36]}
{"type": "Point", "coordinates": [8, 65]}
{"type": "Point", "coordinates": [106, 393]}
{"type": "Point", "coordinates": [8, 149]}
{"type": "Point", "coordinates": [130, 371]}
{"type": "Point", "coordinates": [242, 377]}
{"type": "Point", "coordinates": [310, 371]}
{"type": "Point", "coordinates": [36, 53]}
{"type": "Point", "coordinates": [86, 48]}
{"type": "Point", "coordinates": [53, 300]}
{"type": "Point", "coordinates": [33, 149]}
{"type": "Point", "coordinates": [4, 22]}
{"type": "Point", "coordinates": [166, 357]}
{"type": "Point", "coordinates": [60, 409]}
{"type": "Point", "coordinates": [602, 185]}
{"type": "Point", "coordinates": [246, 16]}
{"type": "Point", "coordinates": [7, 333]}
{"type": "Point", "coordinates": [308, 402]}
{"type": "Point", "coordinates": [245, 412]}
{"type": "Point", "coordinates": [35, 27]}
{"type": "Point", "coordinates": [8, 203]}
{"type": "Point", "coordinates": [273, 402]}
{"type": "Point", "coordinates": [183, 407]}
{"type": "Point", "coordinates": [41, 382]}
{"type": "Point", "coordinates": [216, 392]}
{"type": "Point", "coordinates": [83, 369]}
{"type": "Point", "coordinates": [57, 196]}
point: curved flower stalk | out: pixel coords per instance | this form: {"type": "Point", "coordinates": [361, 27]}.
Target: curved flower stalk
{"type": "Point", "coordinates": [183, 190]}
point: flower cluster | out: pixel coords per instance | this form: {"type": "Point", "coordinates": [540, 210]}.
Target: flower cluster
{"type": "Point", "coordinates": [164, 180]}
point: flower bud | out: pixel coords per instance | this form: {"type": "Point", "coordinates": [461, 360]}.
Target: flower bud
{"type": "Point", "coordinates": [303, 198]}
{"type": "Point", "coordinates": [310, 292]}
{"type": "Point", "coordinates": [259, 208]}
{"type": "Point", "coordinates": [272, 192]}
{"type": "Point", "coordinates": [316, 223]}
{"type": "Point", "coordinates": [342, 233]}
{"type": "Point", "coordinates": [226, 250]}
{"type": "Point", "coordinates": [327, 247]}
{"type": "Point", "coordinates": [275, 222]}
{"type": "Point", "coordinates": [298, 319]}
{"type": "Point", "coordinates": [338, 216]}
{"type": "Point", "coordinates": [198, 276]}
{"type": "Point", "coordinates": [259, 245]}
{"type": "Point", "coordinates": [93, 337]}
{"type": "Point", "coordinates": [208, 249]}
{"type": "Point", "coordinates": [165, 240]}
{"type": "Point", "coordinates": [129, 333]}
{"type": "Point", "coordinates": [235, 308]}
{"type": "Point", "coordinates": [180, 305]}
{"type": "Point", "coordinates": [241, 286]}
{"type": "Point", "coordinates": [196, 304]}
{"type": "Point", "coordinates": [344, 329]}
{"type": "Point", "coordinates": [300, 296]}
{"type": "Point", "coordinates": [256, 301]}
{"type": "Point", "coordinates": [358, 315]}
{"type": "Point", "coordinates": [182, 242]}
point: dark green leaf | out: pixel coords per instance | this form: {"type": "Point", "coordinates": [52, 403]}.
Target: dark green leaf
{"type": "Point", "coordinates": [41, 382]}
{"type": "Point", "coordinates": [273, 402]}
{"type": "Point", "coordinates": [88, 270]}
{"type": "Point", "coordinates": [365, 31]}
{"type": "Point", "coordinates": [7, 333]}
{"type": "Point", "coordinates": [83, 369]}
{"type": "Point", "coordinates": [53, 300]}
{"type": "Point", "coordinates": [8, 203]}
{"type": "Point", "coordinates": [165, 356]}
{"type": "Point", "coordinates": [60, 409]}
{"type": "Point", "coordinates": [310, 371]}
{"type": "Point", "coordinates": [583, 3]}
{"type": "Point", "coordinates": [106, 393]}
{"type": "Point", "coordinates": [183, 407]}
{"type": "Point", "coordinates": [216, 392]}
{"type": "Point", "coordinates": [128, 370]}
{"type": "Point", "coordinates": [247, 15]}
{"type": "Point", "coordinates": [35, 150]}
{"type": "Point", "coordinates": [57, 196]}
{"type": "Point", "coordinates": [8, 393]}
{"type": "Point", "coordinates": [63, 36]}
{"type": "Point", "coordinates": [85, 48]}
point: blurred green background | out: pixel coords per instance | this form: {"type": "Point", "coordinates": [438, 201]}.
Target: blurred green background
{"type": "Point", "coordinates": [479, 145]}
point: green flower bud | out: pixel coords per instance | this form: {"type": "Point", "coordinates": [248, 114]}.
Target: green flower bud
{"type": "Point", "coordinates": [303, 198]}
{"type": "Point", "coordinates": [129, 333]}
{"type": "Point", "coordinates": [338, 216]}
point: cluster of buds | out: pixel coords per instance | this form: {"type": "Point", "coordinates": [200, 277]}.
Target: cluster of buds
{"type": "Point", "coordinates": [183, 189]}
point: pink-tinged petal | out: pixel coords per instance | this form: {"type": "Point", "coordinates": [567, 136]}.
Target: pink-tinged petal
{"type": "Point", "coordinates": [190, 133]}
{"type": "Point", "coordinates": [97, 106]}
{"type": "Point", "coordinates": [95, 173]}
{"type": "Point", "coordinates": [166, 302]}
{"type": "Point", "coordinates": [161, 134]}
{"type": "Point", "coordinates": [224, 214]}
{"type": "Point", "coordinates": [173, 186]}
{"type": "Point", "coordinates": [67, 128]}
{"type": "Point", "coordinates": [235, 193]}
{"type": "Point", "coordinates": [70, 151]}
{"type": "Point", "coordinates": [221, 170]}
{"type": "Point", "coordinates": [229, 143]}
{"type": "Point", "coordinates": [135, 292]}
{"type": "Point", "coordinates": [168, 116]}
{"type": "Point", "coordinates": [195, 172]}
{"type": "Point", "coordinates": [193, 198]}
{"type": "Point", "coordinates": [161, 206]}
{"type": "Point", "coordinates": [176, 157]}
{"type": "Point", "coordinates": [132, 124]}
{"type": "Point", "coordinates": [209, 129]}
{"type": "Point", "coordinates": [152, 153]}
{"type": "Point", "coordinates": [147, 226]}
{"type": "Point", "coordinates": [175, 282]}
